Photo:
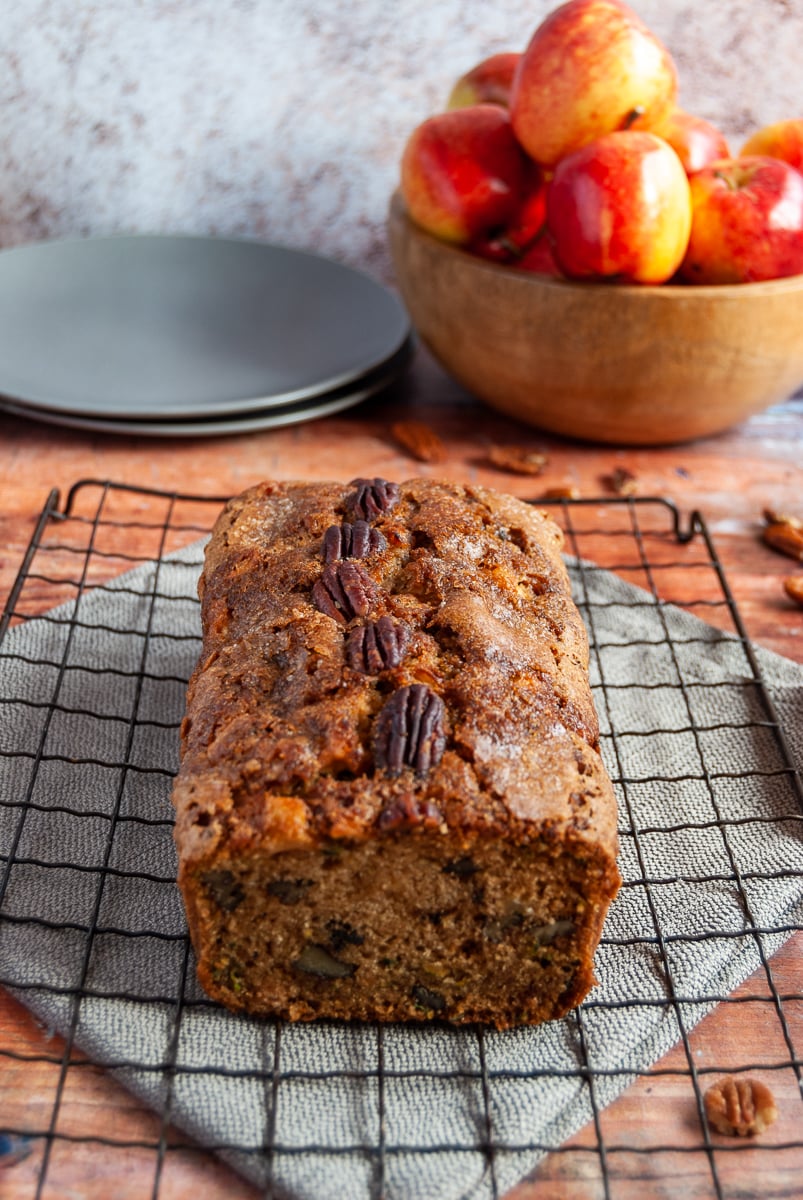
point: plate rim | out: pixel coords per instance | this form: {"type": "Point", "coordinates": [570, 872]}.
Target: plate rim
{"type": "Point", "coordinates": [242, 404]}
{"type": "Point", "coordinates": [324, 405]}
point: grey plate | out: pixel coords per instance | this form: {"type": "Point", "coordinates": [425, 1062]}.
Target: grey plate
{"type": "Point", "coordinates": [272, 418]}
{"type": "Point", "coordinates": [175, 327]}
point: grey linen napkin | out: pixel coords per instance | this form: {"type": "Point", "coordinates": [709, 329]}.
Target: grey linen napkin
{"type": "Point", "coordinates": [703, 793]}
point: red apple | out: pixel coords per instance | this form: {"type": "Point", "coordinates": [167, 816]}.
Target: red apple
{"type": "Point", "coordinates": [487, 83]}
{"type": "Point", "coordinates": [529, 218]}
{"type": "Point", "coordinates": [695, 141]}
{"type": "Point", "coordinates": [747, 222]}
{"type": "Point", "coordinates": [590, 68]}
{"type": "Point", "coordinates": [782, 140]}
{"type": "Point", "coordinates": [508, 243]}
{"type": "Point", "coordinates": [620, 207]}
{"type": "Point", "coordinates": [540, 259]}
{"type": "Point", "coordinates": [462, 172]}
{"type": "Point", "coordinates": [493, 248]}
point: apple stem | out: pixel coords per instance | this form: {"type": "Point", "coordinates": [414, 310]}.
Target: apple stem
{"type": "Point", "coordinates": [512, 247]}
{"type": "Point", "coordinates": [632, 117]}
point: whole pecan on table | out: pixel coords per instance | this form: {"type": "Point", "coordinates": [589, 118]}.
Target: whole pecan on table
{"type": "Point", "coordinates": [739, 1107]}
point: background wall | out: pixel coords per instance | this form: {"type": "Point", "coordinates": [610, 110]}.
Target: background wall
{"type": "Point", "coordinates": [285, 119]}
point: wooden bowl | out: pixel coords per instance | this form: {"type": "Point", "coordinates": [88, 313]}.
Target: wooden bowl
{"type": "Point", "coordinates": [608, 363]}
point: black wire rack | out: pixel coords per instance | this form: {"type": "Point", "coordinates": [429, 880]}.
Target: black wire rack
{"type": "Point", "coordinates": [67, 1127]}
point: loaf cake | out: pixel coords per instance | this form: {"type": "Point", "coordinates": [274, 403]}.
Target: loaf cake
{"type": "Point", "coordinates": [391, 803]}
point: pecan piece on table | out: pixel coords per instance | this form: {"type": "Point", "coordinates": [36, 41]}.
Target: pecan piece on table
{"type": "Point", "coordinates": [373, 497]}
{"type": "Point", "coordinates": [377, 646]}
{"type": "Point", "coordinates": [621, 482]}
{"type": "Point", "coordinates": [566, 491]}
{"type": "Point", "coordinates": [517, 459]}
{"type": "Point", "coordinates": [771, 517]}
{"type": "Point", "coordinates": [739, 1107]}
{"type": "Point", "coordinates": [344, 591]}
{"type": "Point", "coordinates": [419, 440]}
{"type": "Point", "coordinates": [793, 586]}
{"type": "Point", "coordinates": [352, 541]}
{"type": "Point", "coordinates": [784, 537]}
{"type": "Point", "coordinates": [409, 731]}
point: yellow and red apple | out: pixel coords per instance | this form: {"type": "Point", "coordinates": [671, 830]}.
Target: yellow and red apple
{"type": "Point", "coordinates": [489, 82]}
{"type": "Point", "coordinates": [747, 222]}
{"type": "Point", "coordinates": [620, 208]}
{"type": "Point", "coordinates": [463, 172]}
{"type": "Point", "coordinates": [696, 142]}
{"type": "Point", "coordinates": [590, 68]}
{"type": "Point", "coordinates": [782, 140]}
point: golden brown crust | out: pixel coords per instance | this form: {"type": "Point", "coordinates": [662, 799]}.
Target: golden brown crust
{"type": "Point", "coordinates": [382, 664]}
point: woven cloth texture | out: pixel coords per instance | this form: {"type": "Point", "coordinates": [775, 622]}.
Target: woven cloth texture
{"type": "Point", "coordinates": [708, 816]}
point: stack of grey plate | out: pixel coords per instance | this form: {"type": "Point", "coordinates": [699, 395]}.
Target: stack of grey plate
{"type": "Point", "coordinates": [190, 336]}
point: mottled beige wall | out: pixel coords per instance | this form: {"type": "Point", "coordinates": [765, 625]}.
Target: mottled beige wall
{"type": "Point", "coordinates": [285, 119]}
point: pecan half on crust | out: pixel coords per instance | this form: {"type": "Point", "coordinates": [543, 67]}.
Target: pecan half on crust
{"type": "Point", "coordinates": [352, 541]}
{"type": "Point", "coordinates": [377, 646]}
{"type": "Point", "coordinates": [409, 731]}
{"type": "Point", "coordinates": [373, 497]}
{"type": "Point", "coordinates": [344, 591]}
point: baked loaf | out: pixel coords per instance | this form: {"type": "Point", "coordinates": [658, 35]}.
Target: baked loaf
{"type": "Point", "coordinates": [391, 803]}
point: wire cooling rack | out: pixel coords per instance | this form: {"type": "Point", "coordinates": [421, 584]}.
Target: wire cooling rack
{"type": "Point", "coordinates": [68, 1129]}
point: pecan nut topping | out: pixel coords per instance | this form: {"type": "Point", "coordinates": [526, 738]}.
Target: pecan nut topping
{"type": "Point", "coordinates": [377, 646]}
{"type": "Point", "coordinates": [352, 541]}
{"type": "Point", "coordinates": [344, 591]}
{"type": "Point", "coordinates": [409, 731]}
{"type": "Point", "coordinates": [373, 497]}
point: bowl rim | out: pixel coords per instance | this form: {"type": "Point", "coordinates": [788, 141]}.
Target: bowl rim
{"type": "Point", "coordinates": [784, 283]}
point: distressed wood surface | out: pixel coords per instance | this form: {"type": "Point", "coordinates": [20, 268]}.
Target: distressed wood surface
{"type": "Point", "coordinates": [730, 478]}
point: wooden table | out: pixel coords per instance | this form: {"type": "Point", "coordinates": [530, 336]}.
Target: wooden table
{"type": "Point", "coordinates": [731, 479]}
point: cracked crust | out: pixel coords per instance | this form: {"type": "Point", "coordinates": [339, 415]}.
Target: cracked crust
{"type": "Point", "coordinates": [280, 762]}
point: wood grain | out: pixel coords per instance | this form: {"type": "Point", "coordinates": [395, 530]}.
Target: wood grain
{"type": "Point", "coordinates": [730, 478]}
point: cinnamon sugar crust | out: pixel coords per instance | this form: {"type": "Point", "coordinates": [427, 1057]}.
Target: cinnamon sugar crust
{"type": "Point", "coordinates": [391, 803]}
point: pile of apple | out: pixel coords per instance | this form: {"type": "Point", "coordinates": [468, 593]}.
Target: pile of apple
{"type": "Point", "coordinates": [574, 159]}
